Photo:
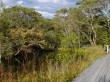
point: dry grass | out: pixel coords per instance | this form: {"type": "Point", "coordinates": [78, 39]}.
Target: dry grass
{"type": "Point", "coordinates": [55, 72]}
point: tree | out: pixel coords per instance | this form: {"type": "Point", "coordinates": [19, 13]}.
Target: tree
{"type": "Point", "coordinates": [18, 16]}
{"type": "Point", "coordinates": [51, 34]}
{"type": "Point", "coordinates": [74, 18]}
{"type": "Point", "coordinates": [88, 8]}
{"type": "Point", "coordinates": [104, 6]}
{"type": "Point", "coordinates": [69, 36]}
{"type": "Point", "coordinates": [19, 28]}
{"type": "Point", "coordinates": [61, 16]}
{"type": "Point", "coordinates": [98, 11]}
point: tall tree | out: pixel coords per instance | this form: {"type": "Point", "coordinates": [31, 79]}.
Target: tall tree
{"type": "Point", "coordinates": [19, 28]}
{"type": "Point", "coordinates": [104, 5]}
{"type": "Point", "coordinates": [88, 8]}
{"type": "Point", "coordinates": [62, 15]}
{"type": "Point", "coordinates": [69, 37]}
{"type": "Point", "coordinates": [18, 16]}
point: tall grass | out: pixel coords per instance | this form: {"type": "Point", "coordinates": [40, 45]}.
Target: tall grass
{"type": "Point", "coordinates": [59, 69]}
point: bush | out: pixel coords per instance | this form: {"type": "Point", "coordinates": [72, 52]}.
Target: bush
{"type": "Point", "coordinates": [62, 57]}
{"type": "Point", "coordinates": [75, 62]}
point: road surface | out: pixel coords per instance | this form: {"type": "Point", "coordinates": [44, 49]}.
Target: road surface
{"type": "Point", "coordinates": [98, 71]}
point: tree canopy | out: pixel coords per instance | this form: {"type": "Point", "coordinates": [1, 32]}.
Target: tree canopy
{"type": "Point", "coordinates": [87, 24]}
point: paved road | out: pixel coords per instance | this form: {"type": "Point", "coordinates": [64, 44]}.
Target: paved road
{"type": "Point", "coordinates": [98, 71]}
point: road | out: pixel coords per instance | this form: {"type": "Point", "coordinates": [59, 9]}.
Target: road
{"type": "Point", "coordinates": [98, 71]}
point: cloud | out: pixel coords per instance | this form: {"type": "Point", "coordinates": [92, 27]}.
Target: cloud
{"type": "Point", "coordinates": [47, 1]}
{"type": "Point", "coordinates": [46, 7]}
{"type": "Point", "coordinates": [52, 1]}
{"type": "Point", "coordinates": [6, 1]}
{"type": "Point", "coordinates": [46, 14]}
{"type": "Point", "coordinates": [20, 2]}
{"type": "Point", "coordinates": [43, 8]}
{"type": "Point", "coordinates": [37, 7]}
{"type": "Point", "coordinates": [7, 6]}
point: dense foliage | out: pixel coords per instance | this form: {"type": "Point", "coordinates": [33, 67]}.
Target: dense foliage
{"type": "Point", "coordinates": [70, 28]}
{"type": "Point", "coordinates": [25, 31]}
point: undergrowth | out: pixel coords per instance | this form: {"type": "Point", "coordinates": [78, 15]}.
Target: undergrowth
{"type": "Point", "coordinates": [63, 67]}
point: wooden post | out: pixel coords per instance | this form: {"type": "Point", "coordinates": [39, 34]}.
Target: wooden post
{"type": "Point", "coordinates": [107, 48]}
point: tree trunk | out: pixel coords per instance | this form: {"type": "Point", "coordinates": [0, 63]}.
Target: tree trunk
{"type": "Point", "coordinates": [108, 24]}
{"type": "Point", "coordinates": [93, 38]}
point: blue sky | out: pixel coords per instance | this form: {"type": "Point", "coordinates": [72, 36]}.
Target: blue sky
{"type": "Point", "coordinates": [46, 7]}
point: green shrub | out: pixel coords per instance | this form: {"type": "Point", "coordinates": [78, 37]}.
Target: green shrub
{"type": "Point", "coordinates": [82, 54]}
{"type": "Point", "coordinates": [62, 57]}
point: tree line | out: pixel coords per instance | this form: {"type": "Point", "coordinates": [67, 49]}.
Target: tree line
{"type": "Point", "coordinates": [86, 25]}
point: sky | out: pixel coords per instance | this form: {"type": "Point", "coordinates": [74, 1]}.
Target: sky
{"type": "Point", "coordinates": [46, 7]}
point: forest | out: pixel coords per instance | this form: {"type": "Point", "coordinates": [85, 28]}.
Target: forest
{"type": "Point", "coordinates": [38, 49]}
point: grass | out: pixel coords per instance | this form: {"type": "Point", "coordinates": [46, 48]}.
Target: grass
{"type": "Point", "coordinates": [56, 70]}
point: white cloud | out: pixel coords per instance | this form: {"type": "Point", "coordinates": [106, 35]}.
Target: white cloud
{"type": "Point", "coordinates": [7, 6]}
{"type": "Point", "coordinates": [6, 1]}
{"type": "Point", "coordinates": [20, 2]}
{"type": "Point", "coordinates": [42, 7]}
{"type": "Point", "coordinates": [46, 14]}
{"type": "Point", "coordinates": [37, 7]}
{"type": "Point", "coordinates": [46, 7]}
{"type": "Point", "coordinates": [52, 1]}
